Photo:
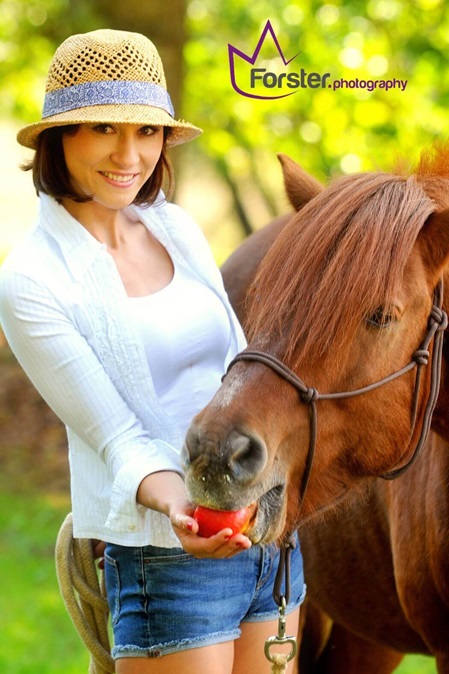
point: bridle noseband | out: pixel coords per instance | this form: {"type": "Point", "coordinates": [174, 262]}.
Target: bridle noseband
{"type": "Point", "coordinates": [438, 322]}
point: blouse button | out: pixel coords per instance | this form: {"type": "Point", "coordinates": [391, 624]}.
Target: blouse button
{"type": "Point", "coordinates": [131, 527]}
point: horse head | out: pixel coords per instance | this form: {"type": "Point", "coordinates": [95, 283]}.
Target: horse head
{"type": "Point", "coordinates": [343, 299]}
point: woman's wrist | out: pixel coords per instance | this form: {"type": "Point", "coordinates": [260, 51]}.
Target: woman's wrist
{"type": "Point", "coordinates": [159, 491]}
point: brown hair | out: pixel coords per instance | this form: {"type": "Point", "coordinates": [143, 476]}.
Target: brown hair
{"type": "Point", "coordinates": [50, 174]}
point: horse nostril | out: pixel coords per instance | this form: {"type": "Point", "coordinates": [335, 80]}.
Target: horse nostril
{"type": "Point", "coordinates": [247, 456]}
{"type": "Point", "coordinates": [240, 457]}
{"type": "Point", "coordinates": [191, 447]}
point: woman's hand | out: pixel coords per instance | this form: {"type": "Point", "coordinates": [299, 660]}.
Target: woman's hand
{"type": "Point", "coordinates": [98, 548]}
{"type": "Point", "coordinates": [222, 544]}
{"type": "Point", "coordinates": [166, 493]}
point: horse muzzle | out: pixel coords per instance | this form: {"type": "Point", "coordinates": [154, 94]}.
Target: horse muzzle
{"type": "Point", "coordinates": [229, 473]}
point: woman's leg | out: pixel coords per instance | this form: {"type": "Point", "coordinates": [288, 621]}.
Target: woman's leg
{"type": "Point", "coordinates": [249, 653]}
{"type": "Point", "coordinates": [216, 659]}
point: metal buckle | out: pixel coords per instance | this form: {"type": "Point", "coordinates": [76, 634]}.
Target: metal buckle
{"type": "Point", "coordinates": [281, 639]}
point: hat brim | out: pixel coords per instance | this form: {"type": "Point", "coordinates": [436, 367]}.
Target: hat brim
{"type": "Point", "coordinates": [181, 131]}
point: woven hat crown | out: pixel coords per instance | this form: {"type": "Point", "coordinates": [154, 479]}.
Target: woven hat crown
{"type": "Point", "coordinates": [107, 76]}
{"type": "Point", "coordinates": [105, 55]}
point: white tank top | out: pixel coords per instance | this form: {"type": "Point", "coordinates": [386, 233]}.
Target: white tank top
{"type": "Point", "coordinates": [186, 334]}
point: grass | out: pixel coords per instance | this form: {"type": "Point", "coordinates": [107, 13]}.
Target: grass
{"type": "Point", "coordinates": [37, 634]}
{"type": "Point", "coordinates": [417, 664]}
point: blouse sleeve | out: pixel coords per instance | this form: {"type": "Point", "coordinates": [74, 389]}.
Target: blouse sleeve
{"type": "Point", "coordinates": [71, 379]}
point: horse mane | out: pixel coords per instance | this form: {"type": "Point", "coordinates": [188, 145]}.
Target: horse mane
{"type": "Point", "coordinates": [341, 257]}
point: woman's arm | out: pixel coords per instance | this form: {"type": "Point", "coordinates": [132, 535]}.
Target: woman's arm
{"type": "Point", "coordinates": [67, 373]}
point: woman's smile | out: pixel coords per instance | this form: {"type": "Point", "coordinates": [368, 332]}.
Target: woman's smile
{"type": "Point", "coordinates": [121, 180]}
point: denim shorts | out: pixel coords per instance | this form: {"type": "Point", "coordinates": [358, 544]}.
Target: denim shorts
{"type": "Point", "coordinates": [163, 600]}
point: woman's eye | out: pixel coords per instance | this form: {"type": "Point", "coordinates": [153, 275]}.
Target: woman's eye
{"type": "Point", "coordinates": [148, 130]}
{"type": "Point", "coordinates": [381, 317]}
{"type": "Point", "coordinates": [103, 128]}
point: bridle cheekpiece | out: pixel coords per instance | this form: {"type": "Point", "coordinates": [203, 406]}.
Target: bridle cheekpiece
{"type": "Point", "coordinates": [437, 324]}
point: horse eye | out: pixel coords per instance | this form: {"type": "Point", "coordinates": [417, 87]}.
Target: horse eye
{"type": "Point", "coordinates": [381, 318]}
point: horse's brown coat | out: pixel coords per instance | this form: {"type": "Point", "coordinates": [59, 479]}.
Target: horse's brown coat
{"type": "Point", "coordinates": [379, 566]}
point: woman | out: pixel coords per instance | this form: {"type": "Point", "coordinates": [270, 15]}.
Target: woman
{"type": "Point", "coordinates": [116, 311]}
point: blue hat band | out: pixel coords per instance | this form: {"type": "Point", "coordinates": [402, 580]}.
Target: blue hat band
{"type": "Point", "coordinates": [106, 92]}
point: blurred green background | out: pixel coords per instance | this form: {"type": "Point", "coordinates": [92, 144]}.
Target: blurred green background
{"type": "Point", "coordinates": [229, 180]}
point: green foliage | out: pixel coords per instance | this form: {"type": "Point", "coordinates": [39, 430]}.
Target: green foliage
{"type": "Point", "coordinates": [29, 32]}
{"type": "Point", "coordinates": [326, 131]}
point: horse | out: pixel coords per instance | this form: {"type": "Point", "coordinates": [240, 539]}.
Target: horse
{"type": "Point", "coordinates": [346, 295]}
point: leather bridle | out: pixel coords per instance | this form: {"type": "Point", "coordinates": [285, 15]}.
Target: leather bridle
{"type": "Point", "coordinates": [437, 323]}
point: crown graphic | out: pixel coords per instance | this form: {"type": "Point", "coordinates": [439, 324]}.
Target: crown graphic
{"type": "Point", "coordinates": [256, 73]}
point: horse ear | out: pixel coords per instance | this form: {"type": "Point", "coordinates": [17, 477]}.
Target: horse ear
{"type": "Point", "coordinates": [434, 241]}
{"type": "Point", "coordinates": [300, 186]}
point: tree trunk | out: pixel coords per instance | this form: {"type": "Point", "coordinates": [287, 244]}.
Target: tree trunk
{"type": "Point", "coordinates": [163, 23]}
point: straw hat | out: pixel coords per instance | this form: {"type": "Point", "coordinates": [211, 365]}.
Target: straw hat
{"type": "Point", "coordinates": [108, 76]}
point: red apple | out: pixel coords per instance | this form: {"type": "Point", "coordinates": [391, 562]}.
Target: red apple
{"type": "Point", "coordinates": [212, 521]}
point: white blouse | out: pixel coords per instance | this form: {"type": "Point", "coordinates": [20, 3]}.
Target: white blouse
{"type": "Point", "coordinates": [66, 316]}
{"type": "Point", "coordinates": [186, 335]}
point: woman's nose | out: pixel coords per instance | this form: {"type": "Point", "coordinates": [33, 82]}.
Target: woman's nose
{"type": "Point", "coordinates": [125, 152]}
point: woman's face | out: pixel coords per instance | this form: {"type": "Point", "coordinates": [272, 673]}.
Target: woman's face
{"type": "Point", "coordinates": [111, 162]}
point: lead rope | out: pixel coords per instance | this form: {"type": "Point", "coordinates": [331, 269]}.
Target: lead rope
{"type": "Point", "coordinates": [84, 596]}
{"type": "Point", "coordinates": [280, 660]}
